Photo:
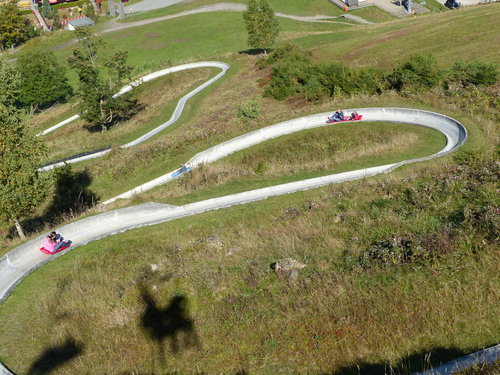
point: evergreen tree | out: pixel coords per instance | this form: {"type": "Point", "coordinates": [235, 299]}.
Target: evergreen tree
{"type": "Point", "coordinates": [97, 105]}
{"type": "Point", "coordinates": [47, 9]}
{"type": "Point", "coordinates": [10, 83]}
{"type": "Point", "coordinates": [56, 20]}
{"type": "Point", "coordinates": [22, 188]}
{"type": "Point", "coordinates": [43, 80]}
{"type": "Point", "coordinates": [14, 28]}
{"type": "Point", "coordinates": [261, 25]}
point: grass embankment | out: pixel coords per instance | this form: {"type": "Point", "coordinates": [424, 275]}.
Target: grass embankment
{"type": "Point", "coordinates": [126, 169]}
{"type": "Point", "coordinates": [373, 14]}
{"type": "Point", "coordinates": [347, 309]}
{"type": "Point", "coordinates": [186, 39]}
{"type": "Point", "coordinates": [296, 157]}
{"type": "Point", "coordinates": [397, 266]}
{"type": "Point", "coordinates": [189, 38]}
{"type": "Point", "coordinates": [386, 44]}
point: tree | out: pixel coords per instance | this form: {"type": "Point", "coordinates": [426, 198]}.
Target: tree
{"type": "Point", "coordinates": [420, 71]}
{"type": "Point", "coordinates": [47, 9]}
{"type": "Point", "coordinates": [14, 28]}
{"type": "Point", "coordinates": [10, 83]}
{"type": "Point", "coordinates": [56, 20]}
{"type": "Point", "coordinates": [97, 105]}
{"type": "Point", "coordinates": [43, 80]}
{"type": "Point", "coordinates": [22, 188]}
{"type": "Point", "coordinates": [261, 26]}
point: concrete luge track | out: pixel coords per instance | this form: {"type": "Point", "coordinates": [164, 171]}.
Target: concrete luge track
{"type": "Point", "coordinates": [455, 134]}
{"type": "Point", "coordinates": [25, 258]}
{"type": "Point", "coordinates": [175, 116]}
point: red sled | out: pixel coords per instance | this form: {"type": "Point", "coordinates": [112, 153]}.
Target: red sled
{"type": "Point", "coordinates": [44, 250]}
{"type": "Point", "coordinates": [347, 118]}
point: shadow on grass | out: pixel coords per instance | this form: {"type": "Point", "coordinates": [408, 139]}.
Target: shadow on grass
{"type": "Point", "coordinates": [172, 323]}
{"type": "Point", "coordinates": [71, 194]}
{"type": "Point", "coordinates": [55, 357]}
{"type": "Point", "coordinates": [238, 372]}
{"type": "Point", "coordinates": [71, 197]}
{"type": "Point", "coordinates": [255, 51]}
{"type": "Point", "coordinates": [420, 361]}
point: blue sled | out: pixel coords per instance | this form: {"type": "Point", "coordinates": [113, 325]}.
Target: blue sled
{"type": "Point", "coordinates": [180, 171]}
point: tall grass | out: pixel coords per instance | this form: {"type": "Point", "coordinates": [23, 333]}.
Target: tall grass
{"type": "Point", "coordinates": [339, 316]}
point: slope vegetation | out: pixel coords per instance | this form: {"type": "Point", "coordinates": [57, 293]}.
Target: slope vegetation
{"type": "Point", "coordinates": [397, 267]}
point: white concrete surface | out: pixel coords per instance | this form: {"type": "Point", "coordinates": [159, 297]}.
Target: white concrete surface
{"type": "Point", "coordinates": [408, 116]}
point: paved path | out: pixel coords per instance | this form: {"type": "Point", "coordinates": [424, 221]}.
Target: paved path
{"type": "Point", "coordinates": [112, 26]}
{"type": "Point", "coordinates": [149, 5]}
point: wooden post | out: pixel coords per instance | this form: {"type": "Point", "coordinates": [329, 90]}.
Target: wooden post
{"type": "Point", "coordinates": [19, 229]}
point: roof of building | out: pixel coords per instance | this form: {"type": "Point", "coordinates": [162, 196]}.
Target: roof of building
{"type": "Point", "coordinates": [81, 22]}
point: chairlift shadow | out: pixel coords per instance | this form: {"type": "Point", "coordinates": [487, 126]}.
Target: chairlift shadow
{"type": "Point", "coordinates": [170, 323]}
{"type": "Point", "coordinates": [56, 356]}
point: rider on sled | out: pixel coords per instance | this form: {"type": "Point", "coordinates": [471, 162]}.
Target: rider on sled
{"type": "Point", "coordinates": [337, 116]}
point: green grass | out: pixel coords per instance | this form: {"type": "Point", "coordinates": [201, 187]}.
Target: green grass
{"type": "Point", "coordinates": [342, 316]}
{"type": "Point", "coordinates": [336, 318]}
{"type": "Point", "coordinates": [433, 5]}
{"type": "Point", "coordinates": [385, 45]}
{"type": "Point", "coordinates": [372, 14]}
{"type": "Point", "coordinates": [299, 8]}
{"type": "Point", "coordinates": [188, 38]}
{"type": "Point", "coordinates": [305, 155]}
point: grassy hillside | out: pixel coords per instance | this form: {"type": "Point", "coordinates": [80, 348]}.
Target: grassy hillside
{"type": "Point", "coordinates": [400, 269]}
{"type": "Point", "coordinates": [300, 8]}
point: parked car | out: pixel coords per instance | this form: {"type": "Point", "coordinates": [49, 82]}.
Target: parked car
{"type": "Point", "coordinates": [452, 4]}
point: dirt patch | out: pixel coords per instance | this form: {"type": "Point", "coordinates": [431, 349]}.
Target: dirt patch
{"type": "Point", "coordinates": [153, 46]}
{"type": "Point", "coordinates": [123, 35]}
{"type": "Point", "coordinates": [264, 80]}
{"type": "Point", "coordinates": [357, 52]}
{"type": "Point", "coordinates": [152, 35]}
{"type": "Point", "coordinates": [295, 35]}
{"type": "Point", "coordinates": [181, 40]}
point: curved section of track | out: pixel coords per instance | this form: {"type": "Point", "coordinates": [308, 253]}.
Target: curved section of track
{"type": "Point", "coordinates": [175, 116]}
{"type": "Point", "coordinates": [25, 258]}
{"type": "Point", "coordinates": [455, 135]}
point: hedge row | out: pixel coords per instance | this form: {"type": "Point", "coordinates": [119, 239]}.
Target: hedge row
{"type": "Point", "coordinates": [293, 73]}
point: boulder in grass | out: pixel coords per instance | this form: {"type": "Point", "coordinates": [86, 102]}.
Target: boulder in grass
{"type": "Point", "coordinates": [287, 269]}
{"type": "Point", "coordinates": [214, 242]}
